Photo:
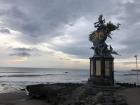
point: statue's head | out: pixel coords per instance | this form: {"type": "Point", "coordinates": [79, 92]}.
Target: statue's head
{"type": "Point", "coordinates": [100, 16]}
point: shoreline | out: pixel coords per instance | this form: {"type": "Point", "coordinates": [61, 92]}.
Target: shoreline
{"type": "Point", "coordinates": [6, 87]}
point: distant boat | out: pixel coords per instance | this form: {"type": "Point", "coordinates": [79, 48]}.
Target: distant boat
{"type": "Point", "coordinates": [66, 72]}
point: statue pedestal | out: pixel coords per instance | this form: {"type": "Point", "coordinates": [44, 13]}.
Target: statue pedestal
{"type": "Point", "coordinates": [102, 70]}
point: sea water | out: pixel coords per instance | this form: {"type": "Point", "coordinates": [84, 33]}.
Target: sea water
{"type": "Point", "coordinates": [12, 78]}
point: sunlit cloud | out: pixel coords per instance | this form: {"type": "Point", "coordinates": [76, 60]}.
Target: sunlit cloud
{"type": "Point", "coordinates": [17, 60]}
{"type": "Point", "coordinates": [62, 40]}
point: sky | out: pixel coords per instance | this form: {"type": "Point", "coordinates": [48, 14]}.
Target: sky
{"type": "Point", "coordinates": [54, 33]}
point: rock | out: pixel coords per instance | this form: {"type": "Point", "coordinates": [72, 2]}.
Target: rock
{"type": "Point", "coordinates": [99, 97]}
{"type": "Point", "coordinates": [75, 94]}
{"type": "Point", "coordinates": [40, 91]}
{"type": "Point", "coordinates": [52, 93]}
{"type": "Point", "coordinates": [99, 104]}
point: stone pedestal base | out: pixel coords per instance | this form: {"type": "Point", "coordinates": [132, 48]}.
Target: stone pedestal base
{"type": "Point", "coordinates": [101, 81]}
{"type": "Point", "coordinates": [102, 70]}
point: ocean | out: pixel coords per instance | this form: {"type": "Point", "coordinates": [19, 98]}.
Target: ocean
{"type": "Point", "coordinates": [12, 78]}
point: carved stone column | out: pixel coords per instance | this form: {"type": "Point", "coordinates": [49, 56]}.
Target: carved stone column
{"type": "Point", "coordinates": [102, 70]}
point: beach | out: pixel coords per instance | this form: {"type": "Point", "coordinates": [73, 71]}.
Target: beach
{"type": "Point", "coordinates": [19, 98]}
{"type": "Point", "coordinates": [72, 94]}
{"type": "Point", "coordinates": [131, 95]}
{"type": "Point", "coordinates": [121, 96]}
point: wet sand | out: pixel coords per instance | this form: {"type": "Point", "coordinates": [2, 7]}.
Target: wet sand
{"type": "Point", "coordinates": [132, 95]}
{"type": "Point", "coordinates": [19, 98]}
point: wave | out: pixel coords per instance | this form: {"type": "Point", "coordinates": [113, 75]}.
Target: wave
{"type": "Point", "coordinates": [130, 74]}
{"type": "Point", "coordinates": [15, 72]}
{"type": "Point", "coordinates": [28, 75]}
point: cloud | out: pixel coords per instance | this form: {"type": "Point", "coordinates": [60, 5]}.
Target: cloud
{"type": "Point", "coordinates": [130, 29]}
{"type": "Point", "coordinates": [41, 20]}
{"type": "Point", "coordinates": [23, 49]}
{"type": "Point", "coordinates": [24, 52]}
{"type": "Point", "coordinates": [5, 31]}
{"type": "Point", "coordinates": [66, 24]}
{"type": "Point", "coordinates": [52, 19]}
{"type": "Point", "coordinates": [49, 19]}
{"type": "Point", "coordinates": [21, 54]}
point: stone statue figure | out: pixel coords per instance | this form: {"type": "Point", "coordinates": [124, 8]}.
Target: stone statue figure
{"type": "Point", "coordinates": [99, 36]}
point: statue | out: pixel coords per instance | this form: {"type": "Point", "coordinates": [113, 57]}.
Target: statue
{"type": "Point", "coordinates": [99, 37]}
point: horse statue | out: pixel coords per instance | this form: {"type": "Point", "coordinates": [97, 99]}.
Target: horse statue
{"type": "Point", "coordinates": [99, 37]}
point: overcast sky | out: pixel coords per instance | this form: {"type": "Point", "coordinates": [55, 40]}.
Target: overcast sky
{"type": "Point", "coordinates": [54, 33]}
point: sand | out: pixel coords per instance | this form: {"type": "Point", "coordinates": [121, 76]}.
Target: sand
{"type": "Point", "coordinates": [132, 95]}
{"type": "Point", "coordinates": [19, 98]}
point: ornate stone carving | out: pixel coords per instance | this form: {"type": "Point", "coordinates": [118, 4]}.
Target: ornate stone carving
{"type": "Point", "coordinates": [99, 36]}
